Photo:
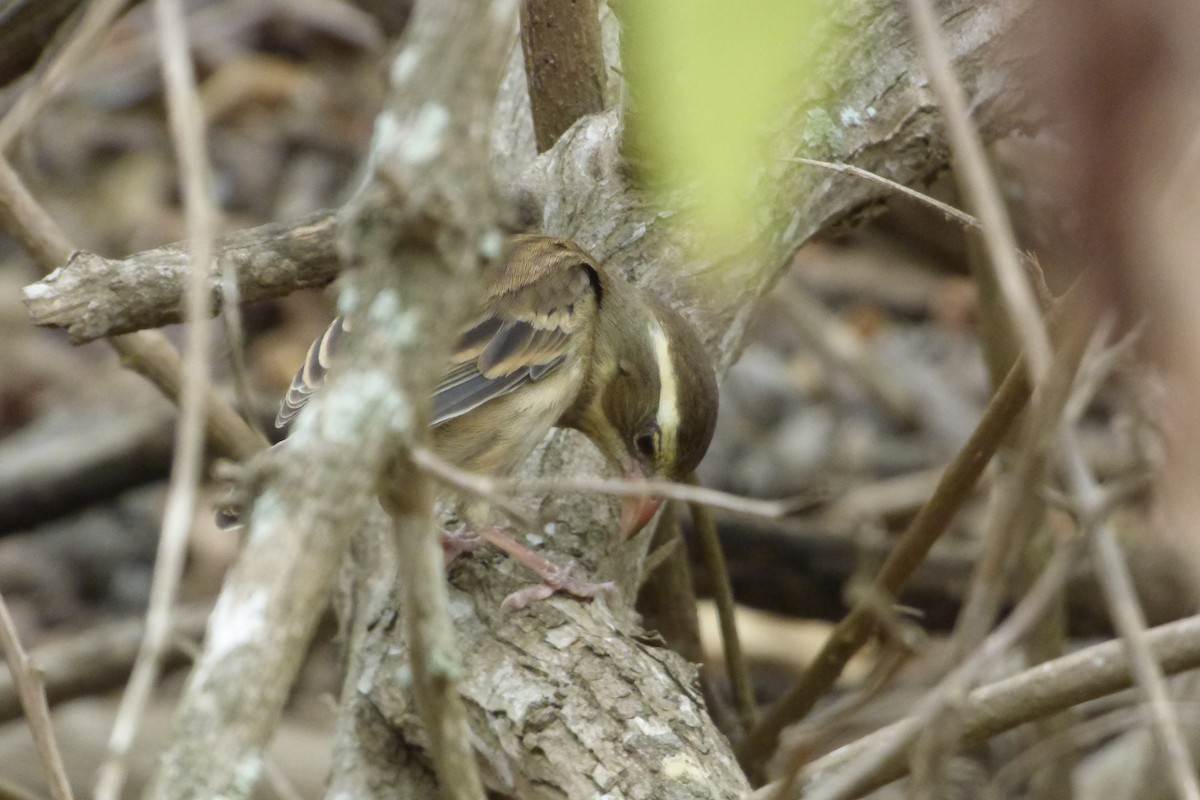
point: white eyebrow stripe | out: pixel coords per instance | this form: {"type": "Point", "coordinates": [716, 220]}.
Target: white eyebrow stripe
{"type": "Point", "coordinates": [668, 392]}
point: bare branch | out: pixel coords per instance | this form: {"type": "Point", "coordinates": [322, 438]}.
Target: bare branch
{"type": "Point", "coordinates": [33, 699]}
{"type": "Point", "coordinates": [978, 185]}
{"type": "Point", "coordinates": [148, 353]}
{"type": "Point", "coordinates": [92, 296]}
{"type": "Point", "coordinates": [564, 64]}
{"type": "Point", "coordinates": [925, 529]}
{"type": "Point", "coordinates": [1046, 689]}
{"type": "Point", "coordinates": [427, 205]}
{"type": "Point", "coordinates": [1128, 616]}
{"type": "Point", "coordinates": [188, 134]}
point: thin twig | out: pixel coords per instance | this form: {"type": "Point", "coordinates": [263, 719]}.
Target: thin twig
{"type": "Point", "coordinates": [978, 186]}
{"type": "Point", "coordinates": [950, 211]}
{"type": "Point", "coordinates": [472, 484]}
{"type": "Point", "coordinates": [931, 521]}
{"type": "Point", "coordinates": [94, 23]}
{"type": "Point", "coordinates": [1128, 616]}
{"type": "Point", "coordinates": [722, 590]}
{"type": "Point", "coordinates": [1012, 520]}
{"type": "Point", "coordinates": [146, 352]}
{"type": "Point", "coordinates": [33, 701]}
{"type": "Point", "coordinates": [499, 491]}
{"type": "Point", "coordinates": [1048, 688]}
{"type": "Point", "coordinates": [231, 314]}
{"type": "Point", "coordinates": [187, 130]}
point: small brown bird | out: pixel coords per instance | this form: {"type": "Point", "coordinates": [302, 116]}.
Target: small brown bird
{"type": "Point", "coordinates": [558, 342]}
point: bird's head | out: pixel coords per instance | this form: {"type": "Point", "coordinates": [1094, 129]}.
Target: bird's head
{"type": "Point", "coordinates": [654, 399]}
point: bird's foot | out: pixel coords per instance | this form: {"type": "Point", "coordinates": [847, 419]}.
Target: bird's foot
{"type": "Point", "coordinates": [556, 579]}
{"type": "Point", "coordinates": [459, 542]}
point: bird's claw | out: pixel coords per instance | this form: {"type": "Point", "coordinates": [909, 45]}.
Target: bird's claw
{"type": "Point", "coordinates": [459, 542]}
{"type": "Point", "coordinates": [557, 579]}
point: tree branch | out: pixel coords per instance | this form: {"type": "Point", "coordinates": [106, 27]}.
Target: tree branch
{"type": "Point", "coordinates": [417, 231]}
{"type": "Point", "coordinates": [910, 550]}
{"type": "Point", "coordinates": [564, 64]}
{"type": "Point", "coordinates": [92, 296]}
{"type": "Point", "coordinates": [1046, 689]}
{"type": "Point", "coordinates": [146, 352]}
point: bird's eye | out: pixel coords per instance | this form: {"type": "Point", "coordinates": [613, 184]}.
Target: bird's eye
{"type": "Point", "coordinates": [647, 443]}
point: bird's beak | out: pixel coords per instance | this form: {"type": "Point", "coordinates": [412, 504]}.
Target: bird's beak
{"type": "Point", "coordinates": [637, 510]}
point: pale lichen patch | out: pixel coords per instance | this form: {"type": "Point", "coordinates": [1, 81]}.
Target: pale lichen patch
{"type": "Point", "coordinates": [424, 139]}
{"type": "Point", "coordinates": [348, 301]}
{"type": "Point", "coordinates": [39, 290]}
{"type": "Point", "coordinates": [246, 774]}
{"type": "Point", "coordinates": [682, 766]}
{"type": "Point", "coordinates": [651, 727]}
{"type": "Point", "coordinates": [404, 65]}
{"type": "Point", "coordinates": [340, 413]}
{"type": "Point", "coordinates": [386, 132]}
{"type": "Point", "coordinates": [491, 245]}
{"type": "Point", "coordinates": [384, 307]}
{"type": "Point", "coordinates": [235, 623]}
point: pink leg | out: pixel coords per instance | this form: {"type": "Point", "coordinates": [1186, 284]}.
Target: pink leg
{"type": "Point", "coordinates": [555, 578]}
{"type": "Point", "coordinates": [458, 542]}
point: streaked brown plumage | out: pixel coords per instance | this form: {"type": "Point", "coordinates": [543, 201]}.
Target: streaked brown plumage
{"type": "Point", "coordinates": [515, 369]}
{"type": "Point", "coordinates": [559, 342]}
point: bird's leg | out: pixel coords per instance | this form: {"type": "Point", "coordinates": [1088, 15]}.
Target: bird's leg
{"type": "Point", "coordinates": [459, 542]}
{"type": "Point", "coordinates": [555, 578]}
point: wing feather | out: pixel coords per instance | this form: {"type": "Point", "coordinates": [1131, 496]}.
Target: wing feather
{"type": "Point", "coordinates": [534, 306]}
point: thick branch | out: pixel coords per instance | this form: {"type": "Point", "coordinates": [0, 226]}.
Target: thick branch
{"type": "Point", "coordinates": [93, 296]}
{"type": "Point", "coordinates": [564, 64]}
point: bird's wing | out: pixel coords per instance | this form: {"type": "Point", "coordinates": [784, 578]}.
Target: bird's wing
{"type": "Point", "coordinates": [531, 316]}
{"type": "Point", "coordinates": [533, 306]}
{"type": "Point", "coordinates": [311, 376]}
